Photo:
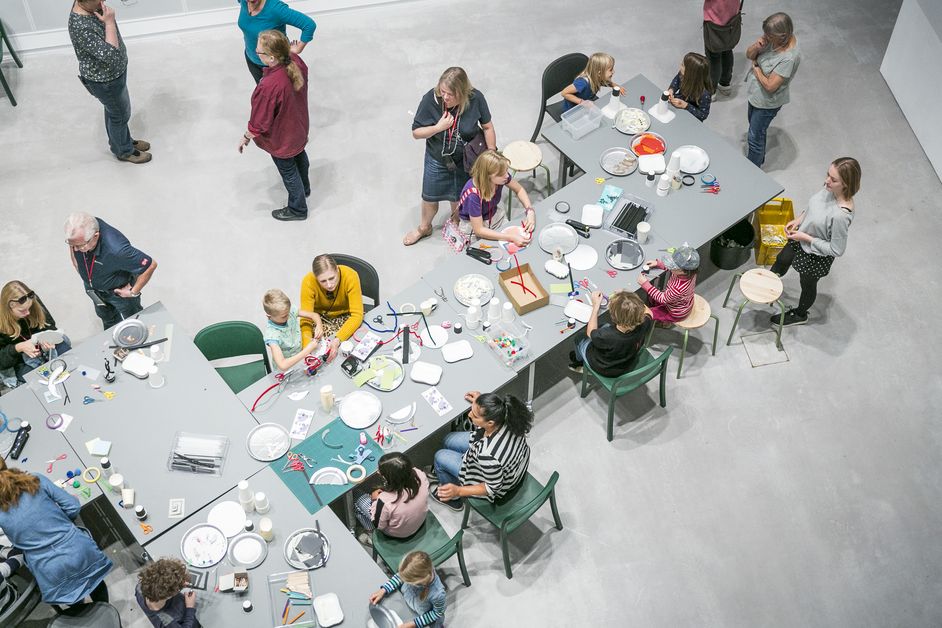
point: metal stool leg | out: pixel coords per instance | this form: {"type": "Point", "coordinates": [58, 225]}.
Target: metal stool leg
{"type": "Point", "coordinates": [683, 350]}
{"type": "Point", "coordinates": [730, 291]}
{"type": "Point", "coordinates": [736, 322]}
{"type": "Point", "coordinates": [549, 181]}
{"type": "Point", "coordinates": [716, 330]}
{"type": "Point", "coordinates": [781, 323]}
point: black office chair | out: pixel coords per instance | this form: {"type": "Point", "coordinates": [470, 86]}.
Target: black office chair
{"type": "Point", "coordinates": [369, 278]}
{"type": "Point", "coordinates": [556, 77]}
{"type": "Point", "coordinates": [19, 595]}
{"type": "Point", "coordinates": [3, 81]}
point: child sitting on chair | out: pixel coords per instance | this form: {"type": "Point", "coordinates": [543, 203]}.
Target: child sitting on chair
{"type": "Point", "coordinates": [676, 300]}
{"type": "Point", "coordinates": [398, 507]}
{"type": "Point", "coordinates": [421, 588]}
{"type": "Point", "coordinates": [612, 350]}
{"type": "Point", "coordinates": [159, 594]}
{"type": "Point", "coordinates": [283, 331]}
{"type": "Point", "coordinates": [597, 74]}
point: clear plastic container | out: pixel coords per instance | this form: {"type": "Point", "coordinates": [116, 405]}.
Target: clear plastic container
{"type": "Point", "coordinates": [508, 341]}
{"type": "Point", "coordinates": [581, 120]}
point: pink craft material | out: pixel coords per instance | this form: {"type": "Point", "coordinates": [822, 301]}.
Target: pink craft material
{"type": "Point", "coordinates": [612, 273]}
{"type": "Point", "coordinates": [512, 248]}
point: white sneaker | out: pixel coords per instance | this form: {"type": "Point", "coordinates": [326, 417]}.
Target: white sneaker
{"type": "Point", "coordinates": [365, 538]}
{"type": "Point", "coordinates": [725, 90]}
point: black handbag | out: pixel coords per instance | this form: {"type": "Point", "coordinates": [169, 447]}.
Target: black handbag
{"type": "Point", "coordinates": [472, 148]}
{"type": "Point", "coordinates": [719, 38]}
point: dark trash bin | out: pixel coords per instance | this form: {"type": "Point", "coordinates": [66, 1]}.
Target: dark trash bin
{"type": "Point", "coordinates": [732, 248]}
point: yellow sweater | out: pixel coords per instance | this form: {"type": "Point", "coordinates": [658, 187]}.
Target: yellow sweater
{"type": "Point", "coordinates": [348, 300]}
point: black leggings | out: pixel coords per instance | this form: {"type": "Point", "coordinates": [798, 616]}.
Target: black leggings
{"type": "Point", "coordinates": [98, 594]}
{"type": "Point", "coordinates": [256, 70]}
{"type": "Point", "coordinates": [809, 283]}
{"type": "Point", "coordinates": [721, 67]}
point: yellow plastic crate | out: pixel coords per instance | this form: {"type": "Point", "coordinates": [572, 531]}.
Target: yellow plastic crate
{"type": "Point", "coordinates": [769, 222]}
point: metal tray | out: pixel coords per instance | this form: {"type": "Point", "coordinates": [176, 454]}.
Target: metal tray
{"type": "Point", "coordinates": [244, 537]}
{"type": "Point", "coordinates": [624, 254]}
{"type": "Point", "coordinates": [622, 126]}
{"type": "Point", "coordinates": [484, 296]}
{"type": "Point", "coordinates": [291, 543]}
{"type": "Point", "coordinates": [612, 160]}
{"type": "Point", "coordinates": [268, 441]}
{"type": "Point", "coordinates": [558, 235]}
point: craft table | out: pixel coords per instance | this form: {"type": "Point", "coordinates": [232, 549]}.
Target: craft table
{"type": "Point", "coordinates": [350, 572]}
{"type": "Point", "coordinates": [141, 422]}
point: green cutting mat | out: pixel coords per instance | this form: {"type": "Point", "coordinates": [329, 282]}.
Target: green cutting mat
{"type": "Point", "coordinates": [316, 496]}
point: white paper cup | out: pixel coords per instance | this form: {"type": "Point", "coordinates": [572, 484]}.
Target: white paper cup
{"type": "Point", "coordinates": [644, 229]}
{"type": "Point", "coordinates": [156, 353]}
{"type": "Point", "coordinates": [346, 347]}
{"type": "Point", "coordinates": [261, 503]}
{"type": "Point", "coordinates": [507, 313]}
{"type": "Point", "coordinates": [116, 482]}
{"type": "Point", "coordinates": [265, 529]}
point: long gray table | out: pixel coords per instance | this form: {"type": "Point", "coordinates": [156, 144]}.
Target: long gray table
{"type": "Point", "coordinates": [349, 572]}
{"type": "Point", "coordinates": [141, 422]}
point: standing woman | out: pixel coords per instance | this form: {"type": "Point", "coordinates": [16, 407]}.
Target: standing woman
{"type": "Point", "coordinates": [332, 293]}
{"type": "Point", "coordinates": [775, 58]}
{"type": "Point", "coordinates": [819, 234]}
{"type": "Point", "coordinates": [279, 122]}
{"type": "Point", "coordinates": [722, 29]}
{"type": "Point", "coordinates": [449, 116]}
{"type": "Point", "coordinates": [23, 314]}
{"type": "Point", "coordinates": [257, 16]}
{"type": "Point", "coordinates": [38, 516]}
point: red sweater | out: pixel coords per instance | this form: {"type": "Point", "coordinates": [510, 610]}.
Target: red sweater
{"type": "Point", "coordinates": [279, 118]}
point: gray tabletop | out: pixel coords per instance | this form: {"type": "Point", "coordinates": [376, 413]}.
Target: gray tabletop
{"type": "Point", "coordinates": [686, 214]}
{"type": "Point", "coordinates": [43, 445]}
{"type": "Point", "coordinates": [141, 423]}
{"type": "Point", "coordinates": [350, 572]}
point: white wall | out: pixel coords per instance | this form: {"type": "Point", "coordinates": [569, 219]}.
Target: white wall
{"type": "Point", "coordinates": [41, 24]}
{"type": "Point", "coordinates": [913, 73]}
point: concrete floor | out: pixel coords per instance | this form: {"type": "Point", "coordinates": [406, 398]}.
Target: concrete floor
{"type": "Point", "coordinates": [799, 494]}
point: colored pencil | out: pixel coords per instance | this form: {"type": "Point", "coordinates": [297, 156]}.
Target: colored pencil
{"type": "Point", "coordinates": [284, 613]}
{"type": "Point", "coordinates": [296, 618]}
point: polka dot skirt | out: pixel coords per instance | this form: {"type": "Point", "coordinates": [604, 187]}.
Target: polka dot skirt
{"type": "Point", "coordinates": [809, 263]}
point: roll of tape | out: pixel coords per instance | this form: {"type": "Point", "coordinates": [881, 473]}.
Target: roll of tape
{"type": "Point", "coordinates": [503, 265]}
{"type": "Point", "coordinates": [708, 179]}
{"type": "Point", "coordinates": [54, 421]}
{"type": "Point", "coordinates": [356, 473]}
{"type": "Point", "coordinates": [91, 474]}
{"type": "Point", "coordinates": [562, 207]}
{"type": "Point", "coordinates": [407, 308]}
{"type": "Point", "coordinates": [688, 180]}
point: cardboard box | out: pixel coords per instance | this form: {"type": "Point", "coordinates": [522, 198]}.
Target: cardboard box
{"type": "Point", "coordinates": [523, 302]}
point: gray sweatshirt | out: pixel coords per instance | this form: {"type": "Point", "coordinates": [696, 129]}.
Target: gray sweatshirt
{"type": "Point", "coordinates": [827, 222]}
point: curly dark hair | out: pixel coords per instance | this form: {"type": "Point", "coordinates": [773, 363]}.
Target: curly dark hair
{"type": "Point", "coordinates": [162, 579]}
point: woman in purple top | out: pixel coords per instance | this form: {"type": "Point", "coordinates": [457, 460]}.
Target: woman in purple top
{"type": "Point", "coordinates": [479, 213]}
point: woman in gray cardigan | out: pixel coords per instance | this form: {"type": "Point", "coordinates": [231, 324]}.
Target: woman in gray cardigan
{"type": "Point", "coordinates": [819, 234]}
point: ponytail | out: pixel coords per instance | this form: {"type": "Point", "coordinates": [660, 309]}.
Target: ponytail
{"type": "Point", "coordinates": [294, 73]}
{"type": "Point", "coordinates": [277, 45]}
{"type": "Point", "coordinates": [507, 410]}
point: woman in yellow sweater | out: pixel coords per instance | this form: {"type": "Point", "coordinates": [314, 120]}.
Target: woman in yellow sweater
{"type": "Point", "coordinates": [332, 294]}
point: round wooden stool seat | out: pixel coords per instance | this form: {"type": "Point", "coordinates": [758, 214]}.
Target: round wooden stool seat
{"type": "Point", "coordinates": [698, 316]}
{"type": "Point", "coordinates": [523, 155]}
{"type": "Point", "coordinates": [760, 285]}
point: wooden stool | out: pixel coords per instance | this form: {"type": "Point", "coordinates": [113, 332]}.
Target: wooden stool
{"type": "Point", "coordinates": [762, 286]}
{"type": "Point", "coordinates": [525, 156]}
{"type": "Point", "coordinates": [699, 316]}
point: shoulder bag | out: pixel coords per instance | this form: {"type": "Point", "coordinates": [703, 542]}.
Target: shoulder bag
{"type": "Point", "coordinates": [719, 38]}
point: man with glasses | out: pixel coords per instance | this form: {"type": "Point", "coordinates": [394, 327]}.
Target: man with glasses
{"type": "Point", "coordinates": [113, 271]}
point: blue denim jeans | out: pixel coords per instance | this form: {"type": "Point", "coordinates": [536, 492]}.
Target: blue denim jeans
{"type": "Point", "coordinates": [759, 121]}
{"type": "Point", "coordinates": [294, 174]}
{"type": "Point", "coordinates": [114, 96]}
{"type": "Point", "coordinates": [581, 345]}
{"type": "Point", "coordinates": [448, 460]}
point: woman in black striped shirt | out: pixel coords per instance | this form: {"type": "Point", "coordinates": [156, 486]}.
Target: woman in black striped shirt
{"type": "Point", "coordinates": [489, 461]}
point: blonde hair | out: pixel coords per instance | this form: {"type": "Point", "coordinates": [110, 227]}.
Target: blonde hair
{"type": "Point", "coordinates": [276, 302]}
{"type": "Point", "coordinates": [9, 324]}
{"type": "Point", "coordinates": [599, 63]}
{"type": "Point", "coordinates": [416, 568]}
{"type": "Point", "coordinates": [456, 80]}
{"type": "Point", "coordinates": [626, 309]}
{"type": "Point", "coordinates": [488, 164]}
{"type": "Point", "coordinates": [277, 45]}
{"type": "Point", "coordinates": [322, 264]}
{"type": "Point", "coordinates": [848, 169]}
{"type": "Point", "coordinates": [14, 483]}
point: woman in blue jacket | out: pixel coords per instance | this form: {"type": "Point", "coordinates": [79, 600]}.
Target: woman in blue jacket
{"type": "Point", "coordinates": [37, 516]}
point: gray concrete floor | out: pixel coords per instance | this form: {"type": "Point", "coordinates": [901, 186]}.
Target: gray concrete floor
{"type": "Point", "coordinates": [799, 494]}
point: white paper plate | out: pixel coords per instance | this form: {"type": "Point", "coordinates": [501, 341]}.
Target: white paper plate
{"type": "Point", "coordinates": [247, 550]}
{"type": "Point", "coordinates": [204, 545]}
{"type": "Point", "coordinates": [578, 310]}
{"type": "Point", "coordinates": [360, 409]}
{"type": "Point", "coordinates": [693, 159]}
{"type": "Point", "coordinates": [402, 415]}
{"type": "Point", "coordinates": [558, 236]}
{"type": "Point", "coordinates": [425, 373]}
{"type": "Point", "coordinates": [437, 339]}
{"type": "Point", "coordinates": [268, 441]}
{"type": "Point", "coordinates": [329, 475]}
{"type": "Point", "coordinates": [327, 608]}
{"type": "Point", "coordinates": [455, 351]}
{"type": "Point", "coordinates": [228, 517]}
{"type": "Point", "coordinates": [592, 215]}
{"type": "Point", "coordinates": [583, 258]}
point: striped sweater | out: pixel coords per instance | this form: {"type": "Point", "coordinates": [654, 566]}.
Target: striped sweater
{"type": "Point", "coordinates": [676, 301]}
{"type": "Point", "coordinates": [413, 596]}
{"type": "Point", "coordinates": [499, 462]}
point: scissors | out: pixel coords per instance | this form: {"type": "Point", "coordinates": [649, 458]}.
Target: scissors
{"type": "Point", "coordinates": [710, 190]}
{"type": "Point", "coordinates": [147, 529]}
{"type": "Point", "coordinates": [52, 462]}
{"type": "Point", "coordinates": [378, 319]}
{"type": "Point", "coordinates": [87, 400]}
{"type": "Point", "coordinates": [440, 293]}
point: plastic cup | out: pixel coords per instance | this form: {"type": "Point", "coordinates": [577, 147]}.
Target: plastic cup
{"type": "Point", "coordinates": [643, 230]}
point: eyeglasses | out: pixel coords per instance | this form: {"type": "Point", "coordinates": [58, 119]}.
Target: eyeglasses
{"type": "Point", "coordinates": [23, 299]}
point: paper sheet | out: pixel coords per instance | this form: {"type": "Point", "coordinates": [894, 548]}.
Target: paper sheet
{"type": "Point", "coordinates": [88, 372]}
{"type": "Point", "coordinates": [66, 419]}
{"type": "Point", "coordinates": [560, 288]}
{"type": "Point", "coordinates": [437, 401]}
{"type": "Point", "coordinates": [301, 424]}
{"type": "Point", "coordinates": [299, 395]}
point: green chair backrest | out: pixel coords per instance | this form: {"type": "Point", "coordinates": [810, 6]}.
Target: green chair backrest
{"type": "Point", "coordinates": [231, 339]}
{"type": "Point", "coordinates": [648, 368]}
{"type": "Point", "coordinates": [525, 511]}
{"type": "Point", "coordinates": [447, 550]}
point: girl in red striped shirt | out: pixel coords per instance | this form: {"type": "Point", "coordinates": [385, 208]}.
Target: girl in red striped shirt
{"type": "Point", "coordinates": [676, 300]}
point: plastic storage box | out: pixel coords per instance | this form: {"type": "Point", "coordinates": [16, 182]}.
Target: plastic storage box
{"type": "Point", "coordinates": [777, 212]}
{"type": "Point", "coordinates": [581, 120]}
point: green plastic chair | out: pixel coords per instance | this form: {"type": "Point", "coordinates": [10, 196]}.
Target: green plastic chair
{"type": "Point", "coordinates": [231, 339]}
{"type": "Point", "coordinates": [431, 538]}
{"type": "Point", "coordinates": [514, 509]}
{"type": "Point", "coordinates": [4, 39]}
{"type": "Point", "coordinates": [648, 368]}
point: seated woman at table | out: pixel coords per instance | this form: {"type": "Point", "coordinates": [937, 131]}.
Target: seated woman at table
{"type": "Point", "coordinates": [37, 516]}
{"type": "Point", "coordinates": [597, 74]}
{"type": "Point", "coordinates": [691, 88]}
{"type": "Point", "coordinates": [398, 507]}
{"type": "Point", "coordinates": [676, 300]}
{"type": "Point", "coordinates": [23, 314]}
{"type": "Point", "coordinates": [159, 593]}
{"type": "Point", "coordinates": [489, 461]}
{"type": "Point", "coordinates": [332, 294]}
{"type": "Point", "coordinates": [421, 588]}
{"type": "Point", "coordinates": [283, 332]}
{"type": "Point", "coordinates": [479, 213]}
{"type": "Point", "coordinates": [612, 349]}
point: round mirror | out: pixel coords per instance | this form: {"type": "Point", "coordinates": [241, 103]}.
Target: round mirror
{"type": "Point", "coordinates": [624, 254]}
